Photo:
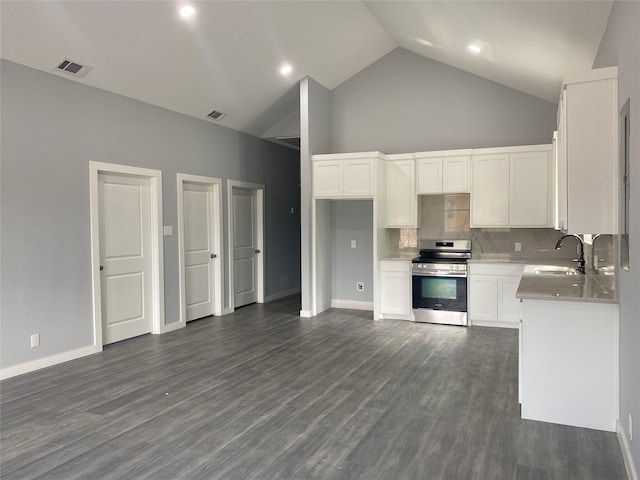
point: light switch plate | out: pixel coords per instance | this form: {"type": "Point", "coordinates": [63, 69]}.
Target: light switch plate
{"type": "Point", "coordinates": [168, 230]}
{"type": "Point", "coordinates": [353, 244]}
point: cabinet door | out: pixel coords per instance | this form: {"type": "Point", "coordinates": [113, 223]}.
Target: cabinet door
{"type": "Point", "coordinates": [592, 156]}
{"type": "Point", "coordinates": [395, 290]}
{"type": "Point", "coordinates": [490, 192]}
{"type": "Point", "coordinates": [327, 179]}
{"type": "Point", "coordinates": [560, 221]}
{"type": "Point", "coordinates": [455, 174]}
{"type": "Point", "coordinates": [530, 192]}
{"type": "Point", "coordinates": [358, 178]}
{"type": "Point", "coordinates": [483, 298]}
{"type": "Point", "coordinates": [509, 307]}
{"type": "Point", "coordinates": [402, 203]}
{"type": "Point", "coordinates": [429, 175]}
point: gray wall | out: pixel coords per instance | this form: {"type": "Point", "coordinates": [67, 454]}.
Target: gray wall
{"type": "Point", "coordinates": [314, 139]}
{"type": "Point", "coordinates": [352, 220]}
{"type": "Point", "coordinates": [51, 128]}
{"type": "Point", "coordinates": [621, 46]}
{"type": "Point", "coordinates": [407, 103]}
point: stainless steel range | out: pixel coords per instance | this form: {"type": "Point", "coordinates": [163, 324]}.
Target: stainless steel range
{"type": "Point", "coordinates": [439, 281]}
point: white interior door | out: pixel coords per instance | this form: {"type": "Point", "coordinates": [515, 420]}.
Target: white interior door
{"type": "Point", "coordinates": [125, 256]}
{"type": "Point", "coordinates": [199, 250]}
{"type": "Point", "coordinates": [245, 246]}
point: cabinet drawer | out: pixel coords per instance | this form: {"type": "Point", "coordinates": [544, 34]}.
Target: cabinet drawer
{"type": "Point", "coordinates": [395, 266]}
{"type": "Point", "coordinates": [514, 269]}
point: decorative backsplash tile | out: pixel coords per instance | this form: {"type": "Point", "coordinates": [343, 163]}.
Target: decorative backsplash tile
{"type": "Point", "coordinates": [447, 217]}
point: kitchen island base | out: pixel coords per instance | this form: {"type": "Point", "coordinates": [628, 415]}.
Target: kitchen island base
{"type": "Point", "coordinates": [569, 363]}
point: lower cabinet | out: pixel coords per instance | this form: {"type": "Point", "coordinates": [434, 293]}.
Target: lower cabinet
{"type": "Point", "coordinates": [492, 294]}
{"type": "Point", "coordinates": [569, 363]}
{"type": "Point", "coordinates": [395, 289]}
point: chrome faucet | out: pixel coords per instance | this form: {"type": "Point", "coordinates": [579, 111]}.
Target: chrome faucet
{"type": "Point", "coordinates": [594, 257]}
{"type": "Point", "coordinates": [581, 264]}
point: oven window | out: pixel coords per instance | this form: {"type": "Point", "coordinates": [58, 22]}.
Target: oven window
{"type": "Point", "coordinates": [442, 288]}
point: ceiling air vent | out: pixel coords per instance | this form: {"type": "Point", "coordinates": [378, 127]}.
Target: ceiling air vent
{"type": "Point", "coordinates": [216, 115]}
{"type": "Point", "coordinates": [73, 68]}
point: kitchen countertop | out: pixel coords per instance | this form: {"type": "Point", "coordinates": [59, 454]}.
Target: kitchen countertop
{"type": "Point", "coordinates": [407, 257]}
{"type": "Point", "coordinates": [597, 287]}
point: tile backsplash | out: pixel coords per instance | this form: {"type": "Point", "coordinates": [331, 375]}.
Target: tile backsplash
{"type": "Point", "coordinates": [447, 217]}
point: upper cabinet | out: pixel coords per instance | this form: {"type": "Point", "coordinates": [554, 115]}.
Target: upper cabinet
{"type": "Point", "coordinates": [402, 203]}
{"type": "Point", "coordinates": [587, 152]}
{"type": "Point", "coordinates": [443, 172]}
{"type": "Point", "coordinates": [351, 175]}
{"type": "Point", "coordinates": [512, 187]}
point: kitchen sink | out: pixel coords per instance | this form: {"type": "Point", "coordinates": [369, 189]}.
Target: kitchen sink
{"type": "Point", "coordinates": [551, 270]}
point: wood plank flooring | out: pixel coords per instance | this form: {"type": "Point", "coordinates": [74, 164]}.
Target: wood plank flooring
{"type": "Point", "coordinates": [263, 394]}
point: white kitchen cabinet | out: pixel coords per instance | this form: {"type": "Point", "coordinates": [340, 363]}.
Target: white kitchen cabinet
{"type": "Point", "coordinates": [402, 202]}
{"type": "Point", "coordinates": [492, 294]}
{"type": "Point", "coordinates": [490, 190]}
{"type": "Point", "coordinates": [395, 289]}
{"type": "Point", "coordinates": [509, 307]}
{"type": "Point", "coordinates": [588, 140]}
{"type": "Point", "coordinates": [483, 299]}
{"type": "Point", "coordinates": [443, 172]}
{"type": "Point", "coordinates": [512, 187]}
{"type": "Point", "coordinates": [348, 175]}
{"type": "Point", "coordinates": [569, 363]}
{"type": "Point", "coordinates": [530, 194]}
{"type": "Point", "coordinates": [560, 199]}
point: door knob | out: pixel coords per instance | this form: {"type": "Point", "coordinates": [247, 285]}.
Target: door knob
{"type": "Point", "coordinates": [101, 267]}
{"type": "Point", "coordinates": [257, 251]}
{"type": "Point", "coordinates": [213, 255]}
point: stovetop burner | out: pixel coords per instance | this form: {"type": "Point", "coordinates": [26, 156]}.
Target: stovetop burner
{"type": "Point", "coordinates": [443, 251]}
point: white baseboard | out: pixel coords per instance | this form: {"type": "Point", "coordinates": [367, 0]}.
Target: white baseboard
{"type": "Point", "coordinates": [286, 293]}
{"type": "Point", "coordinates": [491, 323]}
{"type": "Point", "coordinates": [227, 311]}
{"type": "Point", "coordinates": [305, 313]}
{"type": "Point", "coordinates": [48, 361]}
{"type": "Point", "coordinates": [172, 326]}
{"type": "Point", "coordinates": [632, 473]}
{"type": "Point", "coordinates": [351, 304]}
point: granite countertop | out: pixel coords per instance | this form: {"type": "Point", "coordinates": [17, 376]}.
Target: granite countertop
{"type": "Point", "coordinates": [538, 284]}
{"type": "Point", "coordinates": [405, 256]}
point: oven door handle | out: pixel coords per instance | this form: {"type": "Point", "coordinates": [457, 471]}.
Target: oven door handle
{"type": "Point", "coordinates": [440, 274]}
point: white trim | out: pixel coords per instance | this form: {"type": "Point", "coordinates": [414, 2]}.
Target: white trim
{"type": "Point", "coordinates": [157, 253]}
{"type": "Point", "coordinates": [48, 361]}
{"type": "Point", "coordinates": [216, 185]}
{"type": "Point", "coordinates": [494, 324]}
{"type": "Point", "coordinates": [351, 304]}
{"type": "Point", "coordinates": [259, 190]}
{"type": "Point", "coordinates": [632, 473]}
{"type": "Point", "coordinates": [171, 327]}
{"type": "Point", "coordinates": [305, 314]}
{"type": "Point", "coordinates": [227, 311]}
{"type": "Point", "coordinates": [285, 293]}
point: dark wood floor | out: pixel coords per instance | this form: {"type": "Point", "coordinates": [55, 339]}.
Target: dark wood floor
{"type": "Point", "coordinates": [263, 394]}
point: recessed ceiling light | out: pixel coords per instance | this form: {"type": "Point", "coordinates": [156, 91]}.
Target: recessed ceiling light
{"type": "Point", "coordinates": [187, 11]}
{"type": "Point", "coordinates": [473, 48]}
{"type": "Point", "coordinates": [286, 69]}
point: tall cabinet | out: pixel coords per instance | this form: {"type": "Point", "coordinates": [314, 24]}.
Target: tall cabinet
{"type": "Point", "coordinates": [587, 152]}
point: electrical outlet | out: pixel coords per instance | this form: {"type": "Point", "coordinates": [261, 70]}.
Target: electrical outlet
{"type": "Point", "coordinates": [518, 247]}
{"type": "Point", "coordinates": [400, 244]}
{"type": "Point", "coordinates": [35, 340]}
{"type": "Point", "coordinates": [353, 244]}
{"type": "Point", "coordinates": [630, 427]}
{"type": "Point", "coordinates": [360, 286]}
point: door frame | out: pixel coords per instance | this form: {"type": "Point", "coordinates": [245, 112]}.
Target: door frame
{"type": "Point", "coordinates": [216, 184]}
{"type": "Point", "coordinates": [259, 192]}
{"type": "Point", "coordinates": [157, 253]}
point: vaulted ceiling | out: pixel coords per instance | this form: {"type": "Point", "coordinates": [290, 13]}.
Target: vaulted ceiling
{"type": "Point", "coordinates": [228, 55]}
